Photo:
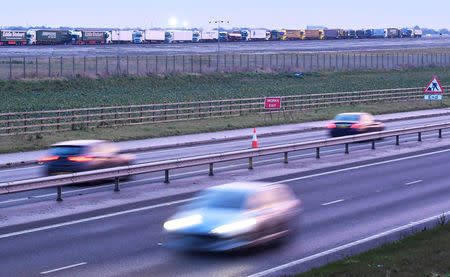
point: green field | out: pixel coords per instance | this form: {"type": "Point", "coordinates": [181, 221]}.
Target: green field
{"type": "Point", "coordinates": [88, 92]}
{"type": "Point", "coordinates": [424, 254]}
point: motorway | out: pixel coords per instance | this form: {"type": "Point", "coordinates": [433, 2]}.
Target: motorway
{"type": "Point", "coordinates": [33, 171]}
{"type": "Point", "coordinates": [341, 205]}
{"type": "Point", "coordinates": [261, 47]}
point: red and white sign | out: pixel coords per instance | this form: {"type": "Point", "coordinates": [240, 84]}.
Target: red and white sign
{"type": "Point", "coordinates": [272, 103]}
{"type": "Point", "coordinates": [434, 86]}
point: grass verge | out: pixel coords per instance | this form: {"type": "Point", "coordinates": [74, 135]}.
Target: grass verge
{"type": "Point", "coordinates": [42, 141]}
{"type": "Point", "coordinates": [88, 92]}
{"type": "Point", "coordinates": [423, 254]}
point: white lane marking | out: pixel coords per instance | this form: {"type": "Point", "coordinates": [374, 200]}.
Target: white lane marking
{"type": "Point", "coordinates": [361, 166]}
{"type": "Point", "coordinates": [345, 246]}
{"type": "Point", "coordinates": [413, 182]}
{"type": "Point", "coordinates": [332, 202]}
{"type": "Point", "coordinates": [62, 268]}
{"type": "Point", "coordinates": [88, 219]}
{"type": "Point", "coordinates": [185, 200]}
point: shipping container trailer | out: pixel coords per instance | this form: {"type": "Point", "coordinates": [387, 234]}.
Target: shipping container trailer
{"type": "Point", "coordinates": [392, 33]}
{"type": "Point", "coordinates": [294, 34]}
{"type": "Point", "coordinates": [154, 36]}
{"type": "Point", "coordinates": [91, 37]}
{"type": "Point", "coordinates": [378, 33]}
{"type": "Point", "coordinates": [47, 36]}
{"type": "Point", "coordinates": [278, 35]}
{"type": "Point", "coordinates": [330, 34]}
{"type": "Point", "coordinates": [406, 33]}
{"type": "Point", "coordinates": [122, 36]}
{"type": "Point", "coordinates": [13, 37]}
{"type": "Point", "coordinates": [313, 34]}
{"type": "Point", "coordinates": [205, 36]}
{"type": "Point", "coordinates": [254, 34]}
{"type": "Point", "coordinates": [223, 36]}
{"type": "Point", "coordinates": [176, 36]}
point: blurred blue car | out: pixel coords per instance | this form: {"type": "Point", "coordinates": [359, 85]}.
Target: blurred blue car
{"type": "Point", "coordinates": [233, 216]}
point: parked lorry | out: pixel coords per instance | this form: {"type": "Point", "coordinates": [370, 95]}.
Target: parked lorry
{"type": "Point", "coordinates": [205, 36]}
{"type": "Point", "coordinates": [350, 33]}
{"type": "Point", "coordinates": [278, 35]}
{"type": "Point", "coordinates": [223, 36]}
{"type": "Point", "coordinates": [313, 34]}
{"type": "Point", "coordinates": [253, 34]}
{"type": "Point", "coordinates": [90, 36]}
{"type": "Point", "coordinates": [392, 33]}
{"type": "Point", "coordinates": [13, 37]}
{"type": "Point", "coordinates": [48, 36]}
{"type": "Point", "coordinates": [235, 35]}
{"type": "Point", "coordinates": [176, 36]}
{"type": "Point", "coordinates": [294, 34]}
{"type": "Point", "coordinates": [121, 36]}
{"type": "Point", "coordinates": [375, 33]}
{"type": "Point", "coordinates": [330, 34]}
{"type": "Point", "coordinates": [360, 33]}
{"type": "Point", "coordinates": [151, 36]}
{"type": "Point", "coordinates": [417, 33]}
{"type": "Point", "coordinates": [406, 33]}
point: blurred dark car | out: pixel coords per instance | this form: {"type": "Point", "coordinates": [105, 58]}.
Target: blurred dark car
{"type": "Point", "coordinates": [353, 123]}
{"type": "Point", "coordinates": [82, 155]}
{"type": "Point", "coordinates": [233, 216]}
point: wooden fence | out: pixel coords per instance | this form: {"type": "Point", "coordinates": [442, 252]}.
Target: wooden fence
{"type": "Point", "coordinates": [32, 122]}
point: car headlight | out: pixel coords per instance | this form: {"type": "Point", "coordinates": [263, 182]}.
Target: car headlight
{"type": "Point", "coordinates": [184, 222]}
{"type": "Point", "coordinates": [235, 226]}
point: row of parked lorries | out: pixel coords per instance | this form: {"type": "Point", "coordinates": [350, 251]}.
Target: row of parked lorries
{"type": "Point", "coordinates": [61, 36]}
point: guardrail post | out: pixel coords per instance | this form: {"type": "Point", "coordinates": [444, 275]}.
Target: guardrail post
{"type": "Point", "coordinates": [59, 193]}
{"type": "Point", "coordinates": [166, 178]}
{"type": "Point", "coordinates": [373, 144]}
{"type": "Point", "coordinates": [346, 148]}
{"type": "Point", "coordinates": [286, 157]}
{"type": "Point", "coordinates": [211, 169]}
{"type": "Point", "coordinates": [250, 163]}
{"type": "Point", "coordinates": [116, 184]}
{"type": "Point", "coordinates": [317, 152]}
{"type": "Point", "coordinates": [397, 140]}
{"type": "Point", "coordinates": [419, 136]}
{"type": "Point", "coordinates": [440, 133]}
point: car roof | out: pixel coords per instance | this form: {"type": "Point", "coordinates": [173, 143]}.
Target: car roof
{"type": "Point", "coordinates": [243, 186]}
{"type": "Point", "coordinates": [360, 113]}
{"type": "Point", "coordinates": [85, 142]}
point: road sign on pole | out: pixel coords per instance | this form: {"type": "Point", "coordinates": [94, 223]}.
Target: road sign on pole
{"type": "Point", "coordinates": [434, 90]}
{"type": "Point", "coordinates": [272, 103]}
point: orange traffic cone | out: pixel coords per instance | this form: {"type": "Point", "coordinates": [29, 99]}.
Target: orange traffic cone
{"type": "Point", "coordinates": [254, 140]}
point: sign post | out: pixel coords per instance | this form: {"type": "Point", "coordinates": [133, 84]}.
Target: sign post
{"type": "Point", "coordinates": [272, 103]}
{"type": "Point", "coordinates": [434, 90]}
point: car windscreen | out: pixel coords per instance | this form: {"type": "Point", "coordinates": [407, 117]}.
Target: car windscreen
{"type": "Point", "coordinates": [66, 150]}
{"type": "Point", "coordinates": [224, 199]}
{"type": "Point", "coordinates": [347, 117]}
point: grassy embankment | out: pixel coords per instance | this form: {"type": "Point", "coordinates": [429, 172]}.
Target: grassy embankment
{"type": "Point", "coordinates": [423, 254]}
{"type": "Point", "coordinates": [59, 94]}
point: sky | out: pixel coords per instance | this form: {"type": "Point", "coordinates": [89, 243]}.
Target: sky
{"type": "Point", "coordinates": [273, 14]}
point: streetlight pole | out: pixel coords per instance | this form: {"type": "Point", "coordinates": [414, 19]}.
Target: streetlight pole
{"type": "Point", "coordinates": [218, 21]}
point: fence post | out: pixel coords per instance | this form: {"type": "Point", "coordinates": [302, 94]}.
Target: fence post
{"type": "Point", "coordinates": [192, 63]}
{"type": "Point", "coordinates": [200, 63]}
{"type": "Point", "coordinates": [156, 64]}
{"type": "Point", "coordinates": [317, 153]}
{"type": "Point", "coordinates": [61, 66]}
{"type": "Point", "coordinates": [250, 163]}
{"type": "Point", "coordinates": [286, 157]}
{"type": "Point", "coordinates": [84, 65]}
{"type": "Point", "coordinates": [137, 65]}
{"type": "Point", "coordinates": [248, 61]}
{"type": "Point", "coordinates": [10, 68]}
{"type": "Point", "coordinates": [146, 65]}
{"type": "Point", "coordinates": [397, 140]}
{"type": "Point", "coordinates": [49, 68]}
{"type": "Point", "coordinates": [128, 72]}
{"type": "Point", "coordinates": [96, 65]}
{"type": "Point", "coordinates": [73, 65]}
{"type": "Point", "coordinates": [107, 65]}
{"type": "Point", "coordinates": [419, 136]}
{"type": "Point", "coordinates": [24, 75]}
{"type": "Point", "coordinates": [346, 148]}
{"type": "Point", "coordinates": [211, 169]}
{"type": "Point", "coordinates": [166, 176]}
{"type": "Point", "coordinates": [116, 184]}
{"type": "Point", "coordinates": [59, 193]}
{"type": "Point", "coordinates": [37, 67]}
{"type": "Point", "coordinates": [373, 144]}
{"type": "Point", "coordinates": [440, 133]}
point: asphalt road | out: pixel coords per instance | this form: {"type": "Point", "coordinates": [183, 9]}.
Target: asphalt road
{"type": "Point", "coordinates": [33, 171]}
{"type": "Point", "coordinates": [261, 47]}
{"type": "Point", "coordinates": [340, 206]}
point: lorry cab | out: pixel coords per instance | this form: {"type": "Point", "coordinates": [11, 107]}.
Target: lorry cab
{"type": "Point", "coordinates": [196, 36]}
{"type": "Point", "coordinates": [138, 37]}
{"type": "Point", "coordinates": [31, 37]}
